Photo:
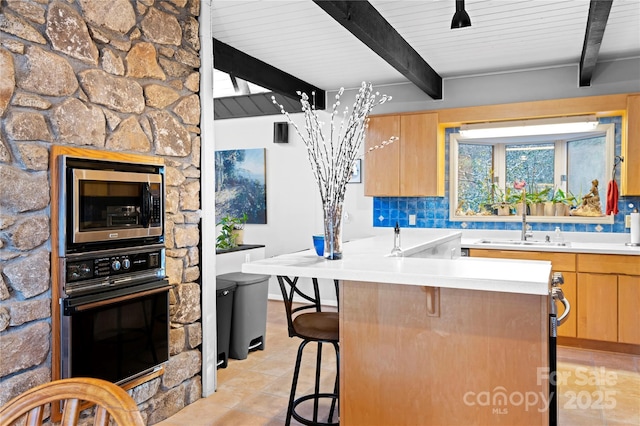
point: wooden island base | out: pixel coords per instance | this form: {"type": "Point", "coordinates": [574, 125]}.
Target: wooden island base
{"type": "Point", "coordinates": [483, 360]}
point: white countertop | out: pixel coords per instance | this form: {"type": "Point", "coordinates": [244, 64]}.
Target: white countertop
{"type": "Point", "coordinates": [367, 260]}
{"type": "Point", "coordinates": [576, 242]}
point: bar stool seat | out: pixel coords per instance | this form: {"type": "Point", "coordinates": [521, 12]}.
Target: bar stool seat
{"type": "Point", "coordinates": [316, 326]}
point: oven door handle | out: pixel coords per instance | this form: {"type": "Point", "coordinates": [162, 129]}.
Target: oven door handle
{"type": "Point", "coordinates": [147, 202]}
{"type": "Point", "coordinates": [91, 302]}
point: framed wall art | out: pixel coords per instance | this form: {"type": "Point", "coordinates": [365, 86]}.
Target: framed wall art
{"type": "Point", "coordinates": [241, 185]}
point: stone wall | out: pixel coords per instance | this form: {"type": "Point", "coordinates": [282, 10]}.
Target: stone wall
{"type": "Point", "coordinates": [115, 75]}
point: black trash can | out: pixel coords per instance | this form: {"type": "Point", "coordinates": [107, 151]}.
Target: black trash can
{"type": "Point", "coordinates": [224, 312]}
{"type": "Point", "coordinates": [249, 322]}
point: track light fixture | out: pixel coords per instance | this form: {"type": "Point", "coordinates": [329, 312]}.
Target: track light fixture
{"type": "Point", "coordinates": [461, 17]}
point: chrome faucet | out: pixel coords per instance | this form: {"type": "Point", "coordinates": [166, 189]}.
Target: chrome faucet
{"type": "Point", "coordinates": [526, 229]}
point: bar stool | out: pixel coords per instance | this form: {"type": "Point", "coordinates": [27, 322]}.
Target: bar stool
{"type": "Point", "coordinates": [314, 326]}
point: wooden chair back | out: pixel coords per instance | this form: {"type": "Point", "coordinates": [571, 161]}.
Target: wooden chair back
{"type": "Point", "coordinates": [77, 394]}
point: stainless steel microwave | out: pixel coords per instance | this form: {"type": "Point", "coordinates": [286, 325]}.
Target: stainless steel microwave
{"type": "Point", "coordinates": [107, 204]}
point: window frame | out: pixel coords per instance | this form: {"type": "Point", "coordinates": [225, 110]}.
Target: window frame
{"type": "Point", "coordinates": [499, 159]}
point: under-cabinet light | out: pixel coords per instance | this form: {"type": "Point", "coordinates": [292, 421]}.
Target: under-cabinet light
{"type": "Point", "coordinates": [546, 126]}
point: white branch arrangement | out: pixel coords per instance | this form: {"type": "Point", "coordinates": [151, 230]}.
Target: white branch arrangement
{"type": "Point", "coordinates": [332, 158]}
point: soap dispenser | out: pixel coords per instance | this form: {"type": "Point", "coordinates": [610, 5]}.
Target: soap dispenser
{"type": "Point", "coordinates": [396, 251]}
{"type": "Point", "coordinates": [557, 236]}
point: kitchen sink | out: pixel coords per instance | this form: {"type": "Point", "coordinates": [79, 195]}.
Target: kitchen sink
{"type": "Point", "coordinates": [525, 243]}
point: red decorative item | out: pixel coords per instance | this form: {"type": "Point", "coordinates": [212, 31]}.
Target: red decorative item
{"type": "Point", "coordinates": [612, 198]}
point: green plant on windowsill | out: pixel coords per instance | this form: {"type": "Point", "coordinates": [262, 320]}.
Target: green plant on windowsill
{"type": "Point", "coordinates": [559, 196]}
{"type": "Point", "coordinates": [516, 198]}
{"type": "Point", "coordinates": [541, 196]}
{"type": "Point", "coordinates": [537, 200]}
{"type": "Point", "coordinates": [562, 202]}
{"type": "Point", "coordinates": [574, 200]}
{"type": "Point", "coordinates": [230, 235]}
{"type": "Point", "coordinates": [503, 203]}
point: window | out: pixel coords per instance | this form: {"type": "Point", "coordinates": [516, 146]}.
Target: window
{"type": "Point", "coordinates": [475, 176]}
{"type": "Point", "coordinates": [555, 168]}
{"type": "Point", "coordinates": [589, 151]}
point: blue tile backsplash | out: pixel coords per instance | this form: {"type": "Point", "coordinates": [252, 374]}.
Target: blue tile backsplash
{"type": "Point", "coordinates": [433, 212]}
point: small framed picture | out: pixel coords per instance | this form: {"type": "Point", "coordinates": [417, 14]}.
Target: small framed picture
{"type": "Point", "coordinates": [356, 177]}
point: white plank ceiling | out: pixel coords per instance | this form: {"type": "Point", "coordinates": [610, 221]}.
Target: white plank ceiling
{"type": "Point", "coordinates": [298, 37]}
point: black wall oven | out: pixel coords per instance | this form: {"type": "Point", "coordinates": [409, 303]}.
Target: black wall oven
{"type": "Point", "coordinates": [115, 316]}
{"type": "Point", "coordinates": [105, 204]}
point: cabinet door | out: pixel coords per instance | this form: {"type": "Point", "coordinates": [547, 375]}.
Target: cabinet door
{"type": "Point", "coordinates": [382, 166]}
{"type": "Point", "coordinates": [561, 262]}
{"type": "Point", "coordinates": [419, 155]}
{"type": "Point", "coordinates": [569, 327]}
{"type": "Point", "coordinates": [631, 149]}
{"type": "Point", "coordinates": [598, 307]}
{"type": "Point", "coordinates": [629, 309]}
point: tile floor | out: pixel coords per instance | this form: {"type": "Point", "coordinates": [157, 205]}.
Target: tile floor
{"type": "Point", "coordinates": [595, 388]}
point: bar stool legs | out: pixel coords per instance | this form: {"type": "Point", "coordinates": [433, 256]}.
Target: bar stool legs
{"type": "Point", "coordinates": [317, 395]}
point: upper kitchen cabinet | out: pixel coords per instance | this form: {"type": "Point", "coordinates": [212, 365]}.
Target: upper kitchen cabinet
{"type": "Point", "coordinates": [382, 165]}
{"type": "Point", "coordinates": [411, 166]}
{"type": "Point", "coordinates": [631, 153]}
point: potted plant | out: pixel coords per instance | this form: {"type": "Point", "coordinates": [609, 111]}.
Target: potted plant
{"type": "Point", "coordinates": [574, 200]}
{"type": "Point", "coordinates": [231, 231]}
{"type": "Point", "coordinates": [504, 201]}
{"type": "Point", "coordinates": [537, 200]}
{"type": "Point", "coordinates": [561, 202]}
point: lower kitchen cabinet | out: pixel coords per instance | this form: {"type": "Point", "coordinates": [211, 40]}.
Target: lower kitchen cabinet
{"type": "Point", "coordinates": [597, 307]}
{"type": "Point", "coordinates": [603, 272]}
{"type": "Point", "coordinates": [629, 309]}
{"type": "Point", "coordinates": [603, 290]}
{"type": "Point", "coordinates": [560, 262]}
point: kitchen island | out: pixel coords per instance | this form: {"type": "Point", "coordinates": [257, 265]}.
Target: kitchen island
{"type": "Point", "coordinates": [432, 338]}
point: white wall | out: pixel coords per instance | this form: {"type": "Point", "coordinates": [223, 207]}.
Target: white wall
{"type": "Point", "coordinates": [294, 210]}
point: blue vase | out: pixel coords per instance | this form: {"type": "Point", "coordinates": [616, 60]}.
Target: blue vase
{"type": "Point", "coordinates": [318, 243]}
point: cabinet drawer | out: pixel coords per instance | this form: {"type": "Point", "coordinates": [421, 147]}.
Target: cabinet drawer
{"type": "Point", "coordinates": [609, 264]}
{"type": "Point", "coordinates": [560, 261]}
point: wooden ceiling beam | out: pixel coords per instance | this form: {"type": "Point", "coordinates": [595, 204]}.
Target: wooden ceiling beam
{"type": "Point", "coordinates": [238, 64]}
{"type": "Point", "coordinates": [596, 24]}
{"type": "Point", "coordinates": [370, 27]}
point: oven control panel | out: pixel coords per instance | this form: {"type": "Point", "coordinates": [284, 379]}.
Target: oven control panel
{"type": "Point", "coordinates": [112, 265]}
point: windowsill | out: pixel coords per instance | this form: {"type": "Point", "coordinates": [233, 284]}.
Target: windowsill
{"type": "Point", "coordinates": [535, 219]}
